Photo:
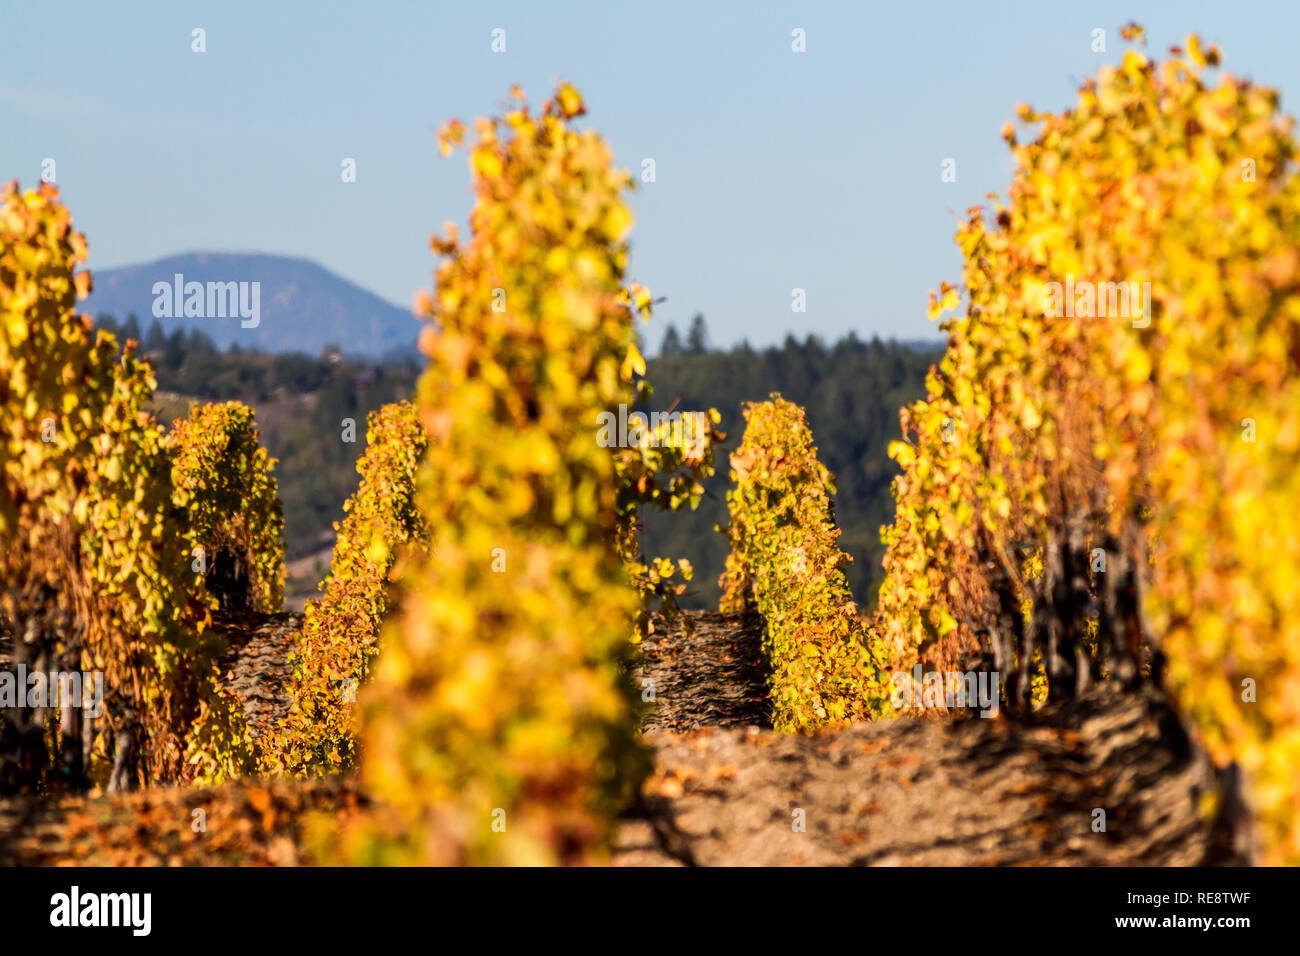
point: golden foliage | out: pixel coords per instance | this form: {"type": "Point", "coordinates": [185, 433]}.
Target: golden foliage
{"type": "Point", "coordinates": [498, 727]}
{"type": "Point", "coordinates": [1126, 434]}
{"type": "Point", "coordinates": [340, 633]}
{"type": "Point", "coordinates": [785, 558]}
{"type": "Point", "coordinates": [222, 477]}
{"type": "Point", "coordinates": [94, 555]}
{"type": "Point", "coordinates": [667, 458]}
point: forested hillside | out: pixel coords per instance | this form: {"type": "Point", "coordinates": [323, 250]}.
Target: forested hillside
{"type": "Point", "coordinates": [851, 389]}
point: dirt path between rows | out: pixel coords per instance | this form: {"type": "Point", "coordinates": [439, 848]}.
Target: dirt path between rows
{"type": "Point", "coordinates": [727, 790]}
{"type": "Point", "coordinates": [714, 679]}
{"type": "Point", "coordinates": [256, 665]}
{"type": "Point", "coordinates": [968, 791]}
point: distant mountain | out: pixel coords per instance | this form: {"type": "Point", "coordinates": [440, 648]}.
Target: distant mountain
{"type": "Point", "coordinates": [296, 306]}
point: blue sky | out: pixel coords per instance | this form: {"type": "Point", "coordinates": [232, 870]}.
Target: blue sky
{"type": "Point", "coordinates": [775, 170]}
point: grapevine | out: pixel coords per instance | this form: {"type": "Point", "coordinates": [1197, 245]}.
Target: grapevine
{"type": "Point", "coordinates": [497, 726]}
{"type": "Point", "coordinates": [785, 562]}
{"type": "Point", "coordinates": [1122, 447]}
{"type": "Point", "coordinates": [94, 561]}
{"type": "Point", "coordinates": [340, 632]}
{"type": "Point", "coordinates": [223, 477]}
